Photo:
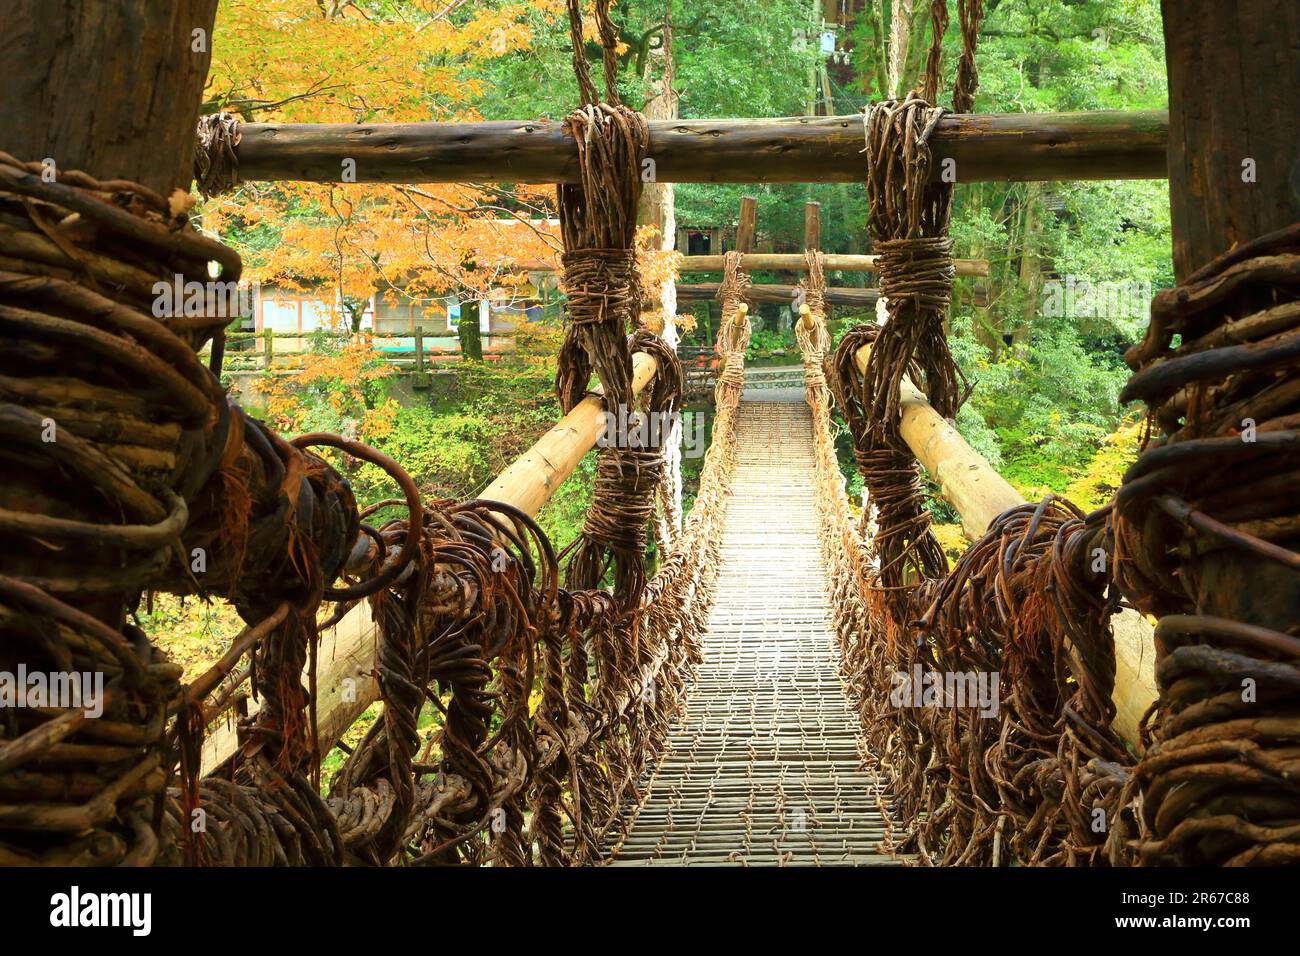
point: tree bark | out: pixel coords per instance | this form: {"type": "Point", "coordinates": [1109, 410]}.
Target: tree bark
{"type": "Point", "coordinates": [1031, 269]}
{"type": "Point", "coordinates": [1234, 97]}
{"type": "Point", "coordinates": [471, 341]}
{"type": "Point", "coordinates": [747, 225]}
{"type": "Point", "coordinates": [812, 225]}
{"type": "Point", "coordinates": [111, 87]}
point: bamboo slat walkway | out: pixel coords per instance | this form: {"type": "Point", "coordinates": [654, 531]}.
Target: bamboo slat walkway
{"type": "Point", "coordinates": [766, 765]}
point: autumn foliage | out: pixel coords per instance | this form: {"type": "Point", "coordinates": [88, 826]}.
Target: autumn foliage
{"type": "Point", "coordinates": [333, 61]}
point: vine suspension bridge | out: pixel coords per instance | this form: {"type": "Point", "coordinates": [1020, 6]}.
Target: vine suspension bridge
{"type": "Point", "coordinates": [735, 701]}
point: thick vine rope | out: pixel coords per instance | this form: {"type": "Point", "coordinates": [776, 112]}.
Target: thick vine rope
{"type": "Point", "coordinates": [1215, 487]}
{"type": "Point", "coordinates": [906, 547]}
{"type": "Point", "coordinates": [909, 212]}
{"type": "Point", "coordinates": [1040, 780]}
{"type": "Point", "coordinates": [598, 226]}
{"type": "Point", "coordinates": [216, 169]}
{"type": "Point", "coordinates": [132, 416]}
{"type": "Point", "coordinates": [733, 330]}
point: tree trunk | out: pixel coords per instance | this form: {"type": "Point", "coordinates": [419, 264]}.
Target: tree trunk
{"type": "Point", "coordinates": [111, 87]}
{"type": "Point", "coordinates": [900, 35]}
{"type": "Point", "coordinates": [1234, 95]}
{"type": "Point", "coordinates": [1031, 269]}
{"type": "Point", "coordinates": [471, 342]}
{"type": "Point", "coordinates": [1234, 105]}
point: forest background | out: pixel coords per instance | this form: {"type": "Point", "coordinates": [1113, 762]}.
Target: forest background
{"type": "Point", "coordinates": [1046, 373]}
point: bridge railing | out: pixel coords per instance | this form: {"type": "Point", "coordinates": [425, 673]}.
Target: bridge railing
{"type": "Point", "coordinates": [979, 494]}
{"type": "Point", "coordinates": [1062, 681]}
{"type": "Point", "coordinates": [346, 684]}
{"type": "Point", "coordinates": [417, 350]}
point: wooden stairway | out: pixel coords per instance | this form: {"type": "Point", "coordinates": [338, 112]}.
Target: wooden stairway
{"type": "Point", "coordinates": [766, 765]}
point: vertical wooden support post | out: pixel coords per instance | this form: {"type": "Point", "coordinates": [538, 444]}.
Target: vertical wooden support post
{"type": "Point", "coordinates": [421, 378]}
{"type": "Point", "coordinates": [56, 63]}
{"type": "Point", "coordinates": [747, 224]}
{"type": "Point", "coordinates": [1234, 123]}
{"type": "Point", "coordinates": [812, 239]}
{"type": "Point", "coordinates": [812, 225]}
{"type": "Point", "coordinates": [109, 88]}
{"type": "Point", "coordinates": [268, 349]}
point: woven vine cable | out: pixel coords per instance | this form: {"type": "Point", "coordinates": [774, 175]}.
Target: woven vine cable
{"type": "Point", "coordinates": [598, 227]}
{"type": "Point", "coordinates": [733, 329]}
{"type": "Point", "coordinates": [1040, 782]}
{"type": "Point", "coordinates": [910, 209]}
{"type": "Point", "coordinates": [813, 321]}
{"type": "Point", "coordinates": [1027, 785]}
{"type": "Point", "coordinates": [141, 420]}
{"type": "Point", "coordinates": [216, 169]}
{"type": "Point", "coordinates": [1208, 512]}
{"type": "Point", "coordinates": [903, 542]}
{"type": "Point", "coordinates": [461, 626]}
{"type": "Point", "coordinates": [855, 597]}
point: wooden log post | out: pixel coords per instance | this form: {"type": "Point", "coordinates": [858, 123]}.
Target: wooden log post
{"type": "Point", "coordinates": [990, 148]}
{"type": "Point", "coordinates": [345, 680]}
{"type": "Point", "coordinates": [812, 225]}
{"type": "Point", "coordinates": [747, 224]}
{"type": "Point", "coordinates": [1234, 175]}
{"type": "Point", "coordinates": [111, 88]}
{"type": "Point", "coordinates": [795, 262]}
{"type": "Point", "coordinates": [972, 486]}
{"type": "Point", "coordinates": [268, 348]}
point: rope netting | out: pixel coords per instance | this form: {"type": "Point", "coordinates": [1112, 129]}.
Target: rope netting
{"type": "Point", "coordinates": [552, 699]}
{"type": "Point", "coordinates": [149, 461]}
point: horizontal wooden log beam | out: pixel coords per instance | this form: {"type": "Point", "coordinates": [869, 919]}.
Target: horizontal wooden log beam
{"type": "Point", "coordinates": [795, 262]}
{"type": "Point", "coordinates": [972, 486]}
{"type": "Point", "coordinates": [778, 293]}
{"type": "Point", "coordinates": [345, 681]}
{"type": "Point", "coordinates": [775, 261]}
{"type": "Point", "coordinates": [985, 147]}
